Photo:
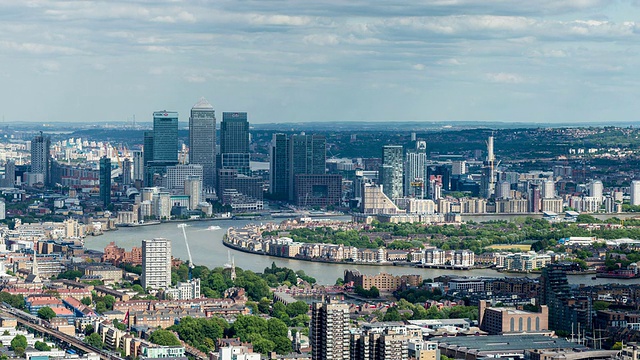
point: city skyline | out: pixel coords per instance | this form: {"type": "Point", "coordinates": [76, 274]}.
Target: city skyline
{"type": "Point", "coordinates": [557, 61]}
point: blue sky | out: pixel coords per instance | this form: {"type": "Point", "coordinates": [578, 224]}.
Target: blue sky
{"type": "Point", "coordinates": [304, 61]}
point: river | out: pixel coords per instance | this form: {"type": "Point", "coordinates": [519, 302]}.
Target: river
{"type": "Point", "coordinates": [207, 249]}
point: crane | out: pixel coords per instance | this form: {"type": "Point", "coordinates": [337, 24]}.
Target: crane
{"type": "Point", "coordinates": [184, 233]}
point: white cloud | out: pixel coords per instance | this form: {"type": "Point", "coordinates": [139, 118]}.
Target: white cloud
{"type": "Point", "coordinates": [505, 78]}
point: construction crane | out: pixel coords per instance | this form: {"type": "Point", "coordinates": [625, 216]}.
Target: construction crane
{"type": "Point", "coordinates": [184, 233]}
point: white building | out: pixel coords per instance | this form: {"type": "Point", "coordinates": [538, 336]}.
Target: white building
{"type": "Point", "coordinates": [178, 173]}
{"type": "Point", "coordinates": [548, 189]}
{"type": "Point", "coordinates": [236, 353]}
{"type": "Point", "coordinates": [162, 205]}
{"type": "Point", "coordinates": [634, 193]}
{"type": "Point", "coordinates": [193, 188]}
{"type": "Point", "coordinates": [595, 189]}
{"type": "Point", "coordinates": [184, 290]}
{"type": "Point", "coordinates": [458, 167]}
{"type": "Point", "coordinates": [156, 263]}
{"type": "Point", "coordinates": [463, 258]}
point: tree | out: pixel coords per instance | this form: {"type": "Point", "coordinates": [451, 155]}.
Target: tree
{"type": "Point", "coordinates": [86, 301]}
{"type": "Point", "coordinates": [70, 274]}
{"type": "Point", "coordinates": [392, 314]}
{"type": "Point", "coordinates": [88, 330]}
{"type": "Point", "coordinates": [617, 346]}
{"type": "Point", "coordinates": [297, 308]}
{"type": "Point", "coordinates": [164, 338]}
{"type": "Point", "coordinates": [94, 340]}
{"type": "Point", "coordinates": [19, 341]}
{"type": "Point", "coordinates": [41, 346]}
{"type": "Point", "coordinates": [263, 305]}
{"type": "Point", "coordinates": [46, 313]}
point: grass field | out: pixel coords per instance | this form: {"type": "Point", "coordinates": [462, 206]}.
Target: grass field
{"type": "Point", "coordinates": [522, 247]}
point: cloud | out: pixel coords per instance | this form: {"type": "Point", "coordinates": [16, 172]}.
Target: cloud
{"type": "Point", "coordinates": [505, 78]}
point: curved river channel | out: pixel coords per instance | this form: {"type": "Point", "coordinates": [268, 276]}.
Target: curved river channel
{"type": "Point", "coordinates": [207, 249]}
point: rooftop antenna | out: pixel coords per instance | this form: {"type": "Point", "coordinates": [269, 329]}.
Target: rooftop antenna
{"type": "Point", "coordinates": [184, 233]}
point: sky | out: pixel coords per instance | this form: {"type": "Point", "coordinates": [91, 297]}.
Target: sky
{"type": "Point", "coordinates": [569, 61]}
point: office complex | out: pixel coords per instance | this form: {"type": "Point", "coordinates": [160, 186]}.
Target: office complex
{"type": "Point", "coordinates": [415, 170]}
{"type": "Point", "coordinates": [138, 165]}
{"type": "Point", "coordinates": [279, 167]}
{"type": "Point", "coordinates": [548, 189]}
{"type": "Point", "coordinates": [40, 157]}
{"type": "Point", "coordinates": [202, 141]}
{"type": "Point", "coordinates": [318, 190]}
{"type": "Point", "coordinates": [391, 171]}
{"type": "Point", "coordinates": [634, 193]}
{"type": "Point", "coordinates": [234, 142]}
{"type": "Point", "coordinates": [329, 331]}
{"type": "Point", "coordinates": [307, 156]}
{"type": "Point", "coordinates": [178, 173]}
{"type": "Point", "coordinates": [156, 263]}
{"type": "Point", "coordinates": [595, 190]}
{"type": "Point", "coordinates": [160, 145]}
{"type": "Point", "coordinates": [105, 181]}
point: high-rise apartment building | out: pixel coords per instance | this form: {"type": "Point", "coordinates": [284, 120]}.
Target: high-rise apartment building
{"type": "Point", "coordinates": [156, 263]}
{"type": "Point", "coordinates": [138, 165]}
{"type": "Point", "coordinates": [279, 167]}
{"type": "Point", "coordinates": [415, 170]}
{"type": "Point", "coordinates": [634, 193]}
{"type": "Point", "coordinates": [329, 331]}
{"type": "Point", "coordinates": [391, 171]}
{"type": "Point", "coordinates": [9, 177]}
{"type": "Point", "coordinates": [548, 189]}
{"type": "Point", "coordinates": [458, 167]}
{"type": "Point", "coordinates": [127, 176]}
{"type": "Point", "coordinates": [202, 141]}
{"type": "Point", "coordinates": [41, 157]}
{"type": "Point", "coordinates": [595, 189]}
{"type": "Point", "coordinates": [193, 188]}
{"type": "Point", "coordinates": [105, 181]}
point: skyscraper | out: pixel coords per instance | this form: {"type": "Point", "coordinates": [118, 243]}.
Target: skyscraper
{"type": "Point", "coordinates": [127, 177]}
{"type": "Point", "coordinates": [165, 136]}
{"type": "Point", "coordinates": [234, 142]}
{"type": "Point", "coordinates": [105, 181]}
{"type": "Point", "coordinates": [193, 188]}
{"type": "Point", "coordinates": [138, 165]}
{"type": "Point", "coordinates": [156, 263]}
{"type": "Point", "coordinates": [391, 171]}
{"type": "Point", "coordinates": [202, 140]}
{"type": "Point", "coordinates": [634, 192]}
{"type": "Point", "coordinates": [161, 145]}
{"type": "Point", "coordinates": [488, 179]}
{"type": "Point", "coordinates": [329, 331]}
{"type": "Point", "coordinates": [279, 167]}
{"type": "Point", "coordinates": [307, 156]}
{"type": "Point", "coordinates": [548, 189]}
{"type": "Point", "coordinates": [415, 170]}
{"type": "Point", "coordinates": [595, 189]}
{"type": "Point", "coordinates": [41, 157]}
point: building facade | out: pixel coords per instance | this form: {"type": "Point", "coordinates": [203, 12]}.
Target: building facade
{"type": "Point", "coordinates": [156, 263]}
{"type": "Point", "coordinates": [329, 331]}
{"type": "Point", "coordinates": [202, 141]}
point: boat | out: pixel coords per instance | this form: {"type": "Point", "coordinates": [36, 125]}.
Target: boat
{"type": "Point", "coordinates": [214, 227]}
{"type": "Point", "coordinates": [594, 277]}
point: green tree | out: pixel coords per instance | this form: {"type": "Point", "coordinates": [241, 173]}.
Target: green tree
{"type": "Point", "coordinates": [297, 308]}
{"type": "Point", "coordinates": [88, 330]}
{"type": "Point", "coordinates": [19, 341]}
{"type": "Point", "coordinates": [70, 274]}
{"type": "Point", "coordinates": [95, 340]}
{"type": "Point", "coordinates": [164, 338]}
{"type": "Point", "coordinates": [46, 313]}
{"type": "Point", "coordinates": [392, 314]}
{"type": "Point", "coordinates": [617, 346]}
{"type": "Point", "coordinates": [86, 301]}
{"type": "Point", "coordinates": [41, 346]}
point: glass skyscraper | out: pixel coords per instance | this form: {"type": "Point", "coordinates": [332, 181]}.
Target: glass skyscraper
{"type": "Point", "coordinates": [165, 136]}
{"type": "Point", "coordinates": [202, 140]}
{"type": "Point", "coordinates": [234, 142]}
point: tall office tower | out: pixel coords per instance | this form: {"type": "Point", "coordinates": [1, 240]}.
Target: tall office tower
{"type": "Point", "coordinates": [595, 189]}
{"type": "Point", "coordinates": [165, 136]}
{"type": "Point", "coordinates": [105, 181]}
{"type": "Point", "coordinates": [234, 142]}
{"type": "Point", "coordinates": [138, 165]}
{"type": "Point", "coordinates": [458, 167]}
{"type": "Point", "coordinates": [548, 189]}
{"type": "Point", "coordinates": [488, 179]}
{"type": "Point", "coordinates": [9, 178]}
{"type": "Point", "coordinates": [415, 170]}
{"type": "Point", "coordinates": [391, 173]}
{"type": "Point", "coordinates": [329, 331]}
{"type": "Point", "coordinates": [503, 190]}
{"type": "Point", "coordinates": [193, 188]}
{"type": "Point", "coordinates": [534, 198]}
{"type": "Point", "coordinates": [156, 263]}
{"type": "Point", "coordinates": [164, 145]}
{"type": "Point", "coordinates": [127, 178]}
{"type": "Point", "coordinates": [202, 141]}
{"type": "Point", "coordinates": [279, 167]}
{"type": "Point", "coordinates": [634, 192]}
{"type": "Point", "coordinates": [307, 156]}
{"type": "Point", "coordinates": [148, 148]}
{"type": "Point", "coordinates": [41, 157]}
